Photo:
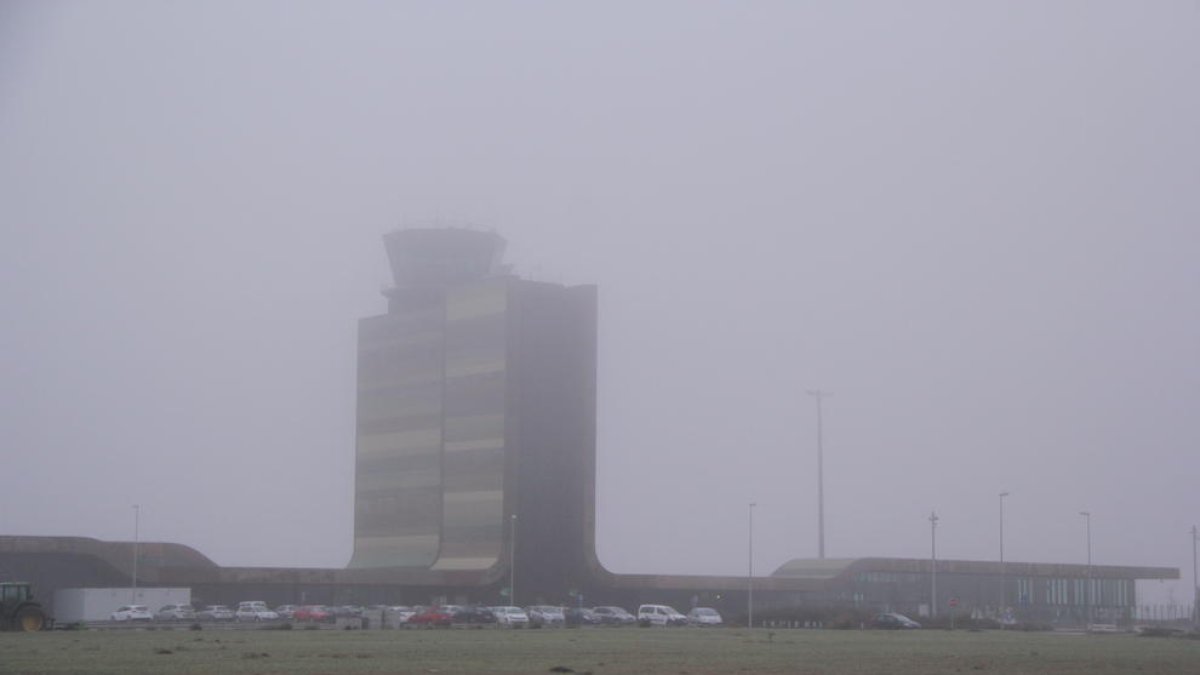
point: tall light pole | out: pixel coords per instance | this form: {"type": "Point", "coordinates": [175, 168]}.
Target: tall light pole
{"type": "Point", "coordinates": [133, 586]}
{"type": "Point", "coordinates": [818, 394]}
{"type": "Point", "coordinates": [1087, 516]}
{"type": "Point", "coordinates": [1195, 582]}
{"type": "Point", "coordinates": [512, 561]}
{"type": "Point", "coordinates": [933, 520]}
{"type": "Point", "coordinates": [750, 573]}
{"type": "Point", "coordinates": [1003, 579]}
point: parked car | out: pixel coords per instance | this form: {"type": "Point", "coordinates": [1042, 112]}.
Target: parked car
{"type": "Point", "coordinates": [255, 613]}
{"type": "Point", "coordinates": [313, 613]}
{"type": "Point", "coordinates": [132, 613]}
{"type": "Point", "coordinates": [474, 615]}
{"type": "Point", "coordinates": [704, 616]}
{"type": "Point", "coordinates": [215, 613]}
{"type": "Point", "coordinates": [432, 616]}
{"type": "Point", "coordinates": [401, 613]}
{"type": "Point", "coordinates": [514, 617]}
{"type": "Point", "coordinates": [660, 615]}
{"type": "Point", "coordinates": [545, 615]}
{"type": "Point", "coordinates": [580, 616]}
{"type": "Point", "coordinates": [347, 611]}
{"type": "Point", "coordinates": [175, 613]}
{"type": "Point", "coordinates": [286, 611]}
{"type": "Point", "coordinates": [894, 621]}
{"type": "Point", "coordinates": [614, 616]}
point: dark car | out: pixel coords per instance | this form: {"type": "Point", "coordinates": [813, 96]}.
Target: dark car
{"type": "Point", "coordinates": [894, 621]}
{"type": "Point", "coordinates": [614, 616]}
{"type": "Point", "coordinates": [286, 611]}
{"type": "Point", "coordinates": [474, 615]}
{"type": "Point", "coordinates": [581, 616]}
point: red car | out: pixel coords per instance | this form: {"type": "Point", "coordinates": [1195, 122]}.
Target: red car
{"type": "Point", "coordinates": [432, 616]}
{"type": "Point", "coordinates": [312, 613]}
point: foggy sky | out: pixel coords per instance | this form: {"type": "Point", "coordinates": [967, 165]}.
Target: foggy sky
{"type": "Point", "coordinates": [977, 224]}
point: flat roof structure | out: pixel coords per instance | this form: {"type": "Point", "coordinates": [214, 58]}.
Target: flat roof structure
{"type": "Point", "coordinates": [1044, 590]}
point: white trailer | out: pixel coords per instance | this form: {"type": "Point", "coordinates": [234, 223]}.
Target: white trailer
{"type": "Point", "coordinates": [97, 604]}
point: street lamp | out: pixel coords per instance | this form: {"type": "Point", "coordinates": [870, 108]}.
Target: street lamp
{"type": "Point", "coordinates": [512, 562]}
{"type": "Point", "coordinates": [133, 587]}
{"type": "Point", "coordinates": [750, 573]}
{"type": "Point", "coordinates": [933, 520]}
{"type": "Point", "coordinates": [1087, 516]}
{"type": "Point", "coordinates": [1195, 583]}
{"type": "Point", "coordinates": [818, 394]}
{"type": "Point", "coordinates": [1002, 496]}
{"type": "Point", "coordinates": [1003, 576]}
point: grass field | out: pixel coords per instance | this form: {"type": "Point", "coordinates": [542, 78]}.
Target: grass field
{"type": "Point", "coordinates": [600, 651]}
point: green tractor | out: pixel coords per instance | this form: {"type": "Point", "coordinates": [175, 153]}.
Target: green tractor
{"type": "Point", "coordinates": [18, 610]}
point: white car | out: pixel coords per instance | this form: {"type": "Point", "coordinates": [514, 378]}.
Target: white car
{"type": "Point", "coordinates": [660, 615]}
{"type": "Point", "coordinates": [402, 613]}
{"type": "Point", "coordinates": [545, 615]}
{"type": "Point", "coordinates": [511, 616]}
{"type": "Point", "coordinates": [175, 612]}
{"type": "Point", "coordinates": [704, 616]}
{"type": "Point", "coordinates": [132, 613]}
{"type": "Point", "coordinates": [215, 613]}
{"type": "Point", "coordinates": [255, 613]}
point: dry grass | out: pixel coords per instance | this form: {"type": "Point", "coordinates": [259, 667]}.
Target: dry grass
{"type": "Point", "coordinates": [600, 651]}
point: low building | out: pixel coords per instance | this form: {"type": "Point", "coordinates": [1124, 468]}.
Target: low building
{"type": "Point", "coordinates": [70, 605]}
{"type": "Point", "coordinates": [1044, 592]}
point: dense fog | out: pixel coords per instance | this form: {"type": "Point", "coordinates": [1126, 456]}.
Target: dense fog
{"type": "Point", "coordinates": [976, 224]}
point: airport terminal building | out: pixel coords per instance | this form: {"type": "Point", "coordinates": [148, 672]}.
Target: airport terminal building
{"type": "Point", "coordinates": [475, 473]}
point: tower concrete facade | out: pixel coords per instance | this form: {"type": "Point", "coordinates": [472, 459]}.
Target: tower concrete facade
{"type": "Point", "coordinates": [476, 403]}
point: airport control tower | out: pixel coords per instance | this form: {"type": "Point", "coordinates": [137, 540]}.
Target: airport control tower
{"type": "Point", "coordinates": [476, 403]}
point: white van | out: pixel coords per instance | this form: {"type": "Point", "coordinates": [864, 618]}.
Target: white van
{"type": "Point", "coordinates": [660, 615]}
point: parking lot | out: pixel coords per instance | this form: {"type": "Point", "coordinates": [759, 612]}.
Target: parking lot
{"type": "Point", "coordinates": [257, 615]}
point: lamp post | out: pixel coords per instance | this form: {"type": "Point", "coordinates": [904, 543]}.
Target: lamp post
{"type": "Point", "coordinates": [750, 573]}
{"type": "Point", "coordinates": [818, 394]}
{"type": "Point", "coordinates": [512, 561]}
{"type": "Point", "coordinates": [933, 520]}
{"type": "Point", "coordinates": [1003, 576]}
{"type": "Point", "coordinates": [1087, 516]}
{"type": "Point", "coordinates": [1195, 582]}
{"type": "Point", "coordinates": [133, 586]}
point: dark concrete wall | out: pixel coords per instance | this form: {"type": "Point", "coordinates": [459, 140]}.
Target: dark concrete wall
{"type": "Point", "coordinates": [552, 422]}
